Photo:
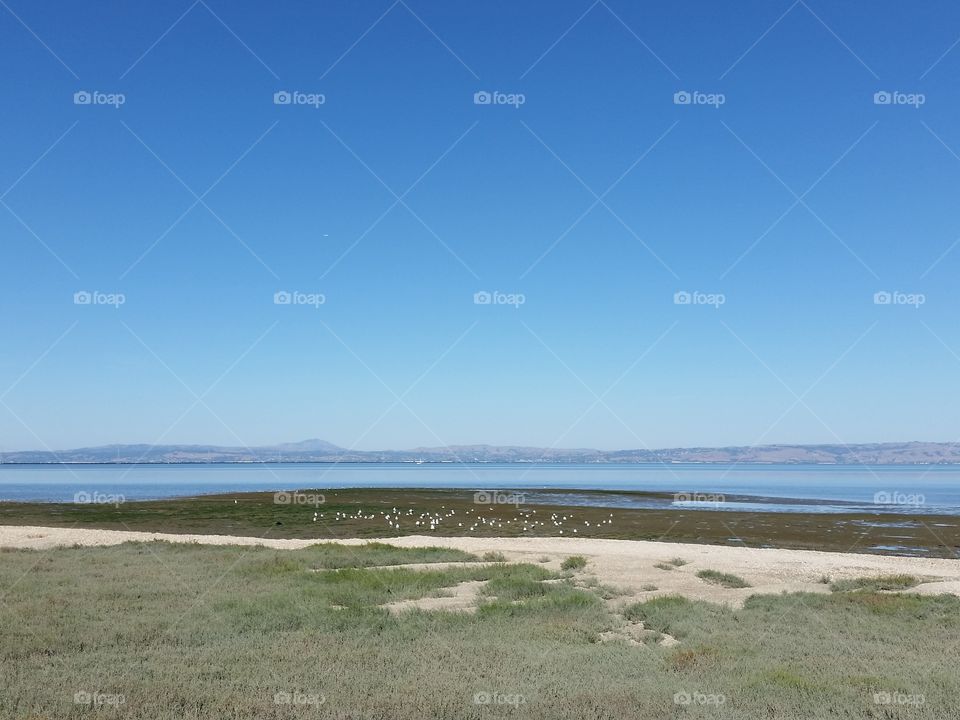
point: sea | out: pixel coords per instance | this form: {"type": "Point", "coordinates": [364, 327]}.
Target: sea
{"type": "Point", "coordinates": [911, 489]}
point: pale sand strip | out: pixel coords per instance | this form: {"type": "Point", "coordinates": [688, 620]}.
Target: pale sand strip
{"type": "Point", "coordinates": [625, 564]}
{"type": "Point", "coordinates": [462, 597]}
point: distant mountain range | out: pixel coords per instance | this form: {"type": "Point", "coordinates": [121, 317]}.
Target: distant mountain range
{"type": "Point", "coordinates": [321, 451]}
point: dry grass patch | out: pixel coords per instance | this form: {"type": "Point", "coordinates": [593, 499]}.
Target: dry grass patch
{"type": "Point", "coordinates": [494, 557]}
{"type": "Point", "coordinates": [876, 584]}
{"type": "Point", "coordinates": [725, 579]}
{"type": "Point", "coordinates": [574, 562]}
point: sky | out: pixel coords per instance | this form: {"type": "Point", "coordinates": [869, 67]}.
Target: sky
{"type": "Point", "coordinates": [417, 223]}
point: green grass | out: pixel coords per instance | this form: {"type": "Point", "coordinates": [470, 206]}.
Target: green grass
{"type": "Point", "coordinates": [333, 555]}
{"type": "Point", "coordinates": [671, 564]}
{"type": "Point", "coordinates": [875, 584]}
{"type": "Point", "coordinates": [521, 582]}
{"type": "Point", "coordinates": [574, 562]}
{"type": "Point", "coordinates": [606, 592]}
{"type": "Point", "coordinates": [637, 610]}
{"type": "Point", "coordinates": [359, 587]}
{"type": "Point", "coordinates": [197, 631]}
{"type": "Point", "coordinates": [725, 579]}
{"type": "Point", "coordinates": [364, 587]}
{"type": "Point", "coordinates": [494, 557]}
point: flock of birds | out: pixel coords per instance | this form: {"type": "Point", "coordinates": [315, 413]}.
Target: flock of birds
{"type": "Point", "coordinates": [469, 521]}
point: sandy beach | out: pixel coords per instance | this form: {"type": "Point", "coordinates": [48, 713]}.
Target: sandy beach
{"type": "Point", "coordinates": [629, 565]}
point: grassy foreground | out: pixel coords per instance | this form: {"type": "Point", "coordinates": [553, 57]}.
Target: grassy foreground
{"type": "Point", "coordinates": [361, 513]}
{"type": "Point", "coordinates": [158, 631]}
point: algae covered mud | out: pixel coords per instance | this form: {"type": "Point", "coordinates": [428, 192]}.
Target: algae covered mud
{"type": "Point", "coordinates": [333, 514]}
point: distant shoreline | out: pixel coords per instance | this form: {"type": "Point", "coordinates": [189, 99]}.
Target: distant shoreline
{"type": "Point", "coordinates": [718, 463]}
{"type": "Point", "coordinates": [322, 452]}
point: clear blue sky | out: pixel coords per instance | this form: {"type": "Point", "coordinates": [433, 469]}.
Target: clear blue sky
{"type": "Point", "coordinates": [295, 197]}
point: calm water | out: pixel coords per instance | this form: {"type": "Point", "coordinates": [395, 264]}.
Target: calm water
{"type": "Point", "coordinates": [796, 488]}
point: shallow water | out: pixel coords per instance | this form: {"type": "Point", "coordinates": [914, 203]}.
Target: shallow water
{"type": "Point", "coordinates": [782, 488]}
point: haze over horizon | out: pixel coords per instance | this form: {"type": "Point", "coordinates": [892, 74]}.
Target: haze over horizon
{"type": "Point", "coordinates": [743, 235]}
{"type": "Point", "coordinates": [320, 442]}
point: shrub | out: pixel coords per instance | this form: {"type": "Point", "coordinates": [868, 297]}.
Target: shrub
{"type": "Point", "coordinates": [574, 562]}
{"type": "Point", "coordinates": [725, 579]}
{"type": "Point", "coordinates": [874, 584]}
